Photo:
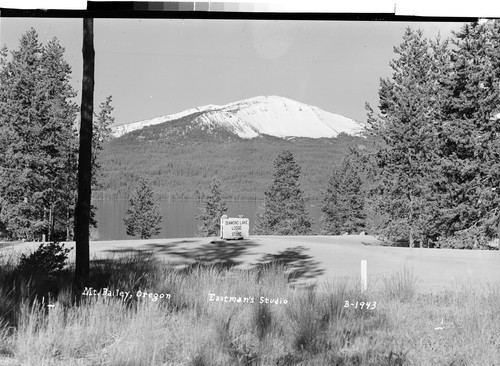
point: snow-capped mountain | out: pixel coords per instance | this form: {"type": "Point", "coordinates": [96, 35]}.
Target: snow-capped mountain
{"type": "Point", "coordinates": [264, 115]}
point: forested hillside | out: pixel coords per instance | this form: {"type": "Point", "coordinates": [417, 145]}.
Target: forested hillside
{"type": "Point", "coordinates": [181, 165]}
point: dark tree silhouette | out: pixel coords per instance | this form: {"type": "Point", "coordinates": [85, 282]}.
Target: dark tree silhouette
{"type": "Point", "coordinates": [37, 140]}
{"type": "Point", "coordinates": [215, 206]}
{"type": "Point", "coordinates": [411, 101]}
{"type": "Point", "coordinates": [343, 201]}
{"type": "Point", "coordinates": [143, 215]}
{"type": "Point", "coordinates": [284, 210]}
{"type": "Point", "coordinates": [82, 211]}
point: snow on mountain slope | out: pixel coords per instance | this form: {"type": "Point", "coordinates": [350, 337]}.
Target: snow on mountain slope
{"type": "Point", "coordinates": [121, 130]}
{"type": "Point", "coordinates": [270, 115]}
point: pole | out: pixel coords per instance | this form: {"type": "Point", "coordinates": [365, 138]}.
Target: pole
{"type": "Point", "coordinates": [364, 279]}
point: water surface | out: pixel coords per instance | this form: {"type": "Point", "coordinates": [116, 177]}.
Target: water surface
{"type": "Point", "coordinates": [178, 217]}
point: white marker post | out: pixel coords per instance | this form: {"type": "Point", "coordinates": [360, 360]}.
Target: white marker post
{"type": "Point", "coordinates": [364, 279]}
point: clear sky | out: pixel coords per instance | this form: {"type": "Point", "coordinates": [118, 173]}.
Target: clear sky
{"type": "Point", "coordinates": [158, 67]}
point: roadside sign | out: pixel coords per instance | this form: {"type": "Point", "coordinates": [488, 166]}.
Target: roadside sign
{"type": "Point", "coordinates": [234, 228]}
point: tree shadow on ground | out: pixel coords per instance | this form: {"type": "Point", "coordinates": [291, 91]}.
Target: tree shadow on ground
{"type": "Point", "coordinates": [160, 248]}
{"type": "Point", "coordinates": [301, 266]}
{"type": "Point", "coordinates": [226, 254]}
{"type": "Point", "coordinates": [156, 248]}
{"type": "Point", "coordinates": [222, 254]}
{"type": "Point", "coordinates": [121, 267]}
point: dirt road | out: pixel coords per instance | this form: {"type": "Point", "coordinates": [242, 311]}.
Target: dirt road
{"type": "Point", "coordinates": [330, 255]}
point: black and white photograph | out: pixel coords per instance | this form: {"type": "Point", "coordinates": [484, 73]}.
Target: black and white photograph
{"type": "Point", "coordinates": [230, 190]}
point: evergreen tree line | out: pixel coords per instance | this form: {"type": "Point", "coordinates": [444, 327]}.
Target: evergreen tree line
{"type": "Point", "coordinates": [39, 142]}
{"type": "Point", "coordinates": [284, 209]}
{"type": "Point", "coordinates": [435, 165]}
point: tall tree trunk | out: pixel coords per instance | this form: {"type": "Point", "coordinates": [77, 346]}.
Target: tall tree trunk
{"type": "Point", "coordinates": [67, 224]}
{"type": "Point", "coordinates": [51, 223]}
{"type": "Point", "coordinates": [45, 235]}
{"type": "Point", "coordinates": [411, 222]}
{"type": "Point", "coordinates": [82, 210]}
{"type": "Point", "coordinates": [498, 235]}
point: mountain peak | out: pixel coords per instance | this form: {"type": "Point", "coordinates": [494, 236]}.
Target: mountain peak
{"type": "Point", "coordinates": [262, 115]}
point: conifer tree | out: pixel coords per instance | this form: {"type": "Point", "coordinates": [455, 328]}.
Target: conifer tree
{"type": "Point", "coordinates": [469, 193]}
{"type": "Point", "coordinates": [215, 206]}
{"type": "Point", "coordinates": [284, 209]}
{"type": "Point", "coordinates": [438, 154]}
{"type": "Point", "coordinates": [343, 201]}
{"type": "Point", "coordinates": [101, 133]}
{"type": "Point", "coordinates": [408, 129]}
{"type": "Point", "coordinates": [37, 150]}
{"type": "Point", "coordinates": [143, 216]}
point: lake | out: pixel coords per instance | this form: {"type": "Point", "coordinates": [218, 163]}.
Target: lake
{"type": "Point", "coordinates": [178, 217]}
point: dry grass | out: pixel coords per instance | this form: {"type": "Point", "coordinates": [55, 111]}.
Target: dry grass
{"type": "Point", "coordinates": [457, 327]}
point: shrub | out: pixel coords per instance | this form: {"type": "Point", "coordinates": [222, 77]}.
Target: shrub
{"type": "Point", "coordinates": [401, 285]}
{"type": "Point", "coordinates": [471, 238]}
{"type": "Point", "coordinates": [47, 261]}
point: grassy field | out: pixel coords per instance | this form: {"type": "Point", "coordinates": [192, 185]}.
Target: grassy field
{"type": "Point", "coordinates": [217, 314]}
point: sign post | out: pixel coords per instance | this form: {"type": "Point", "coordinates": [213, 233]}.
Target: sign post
{"type": "Point", "coordinates": [223, 217]}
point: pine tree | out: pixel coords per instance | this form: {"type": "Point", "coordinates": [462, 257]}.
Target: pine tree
{"type": "Point", "coordinates": [438, 154]}
{"type": "Point", "coordinates": [143, 216]}
{"type": "Point", "coordinates": [37, 153]}
{"type": "Point", "coordinates": [343, 201]}
{"type": "Point", "coordinates": [101, 133]}
{"type": "Point", "coordinates": [407, 131]}
{"type": "Point", "coordinates": [284, 209]}
{"type": "Point", "coordinates": [469, 192]}
{"type": "Point", "coordinates": [215, 206]}
{"type": "Point", "coordinates": [59, 141]}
